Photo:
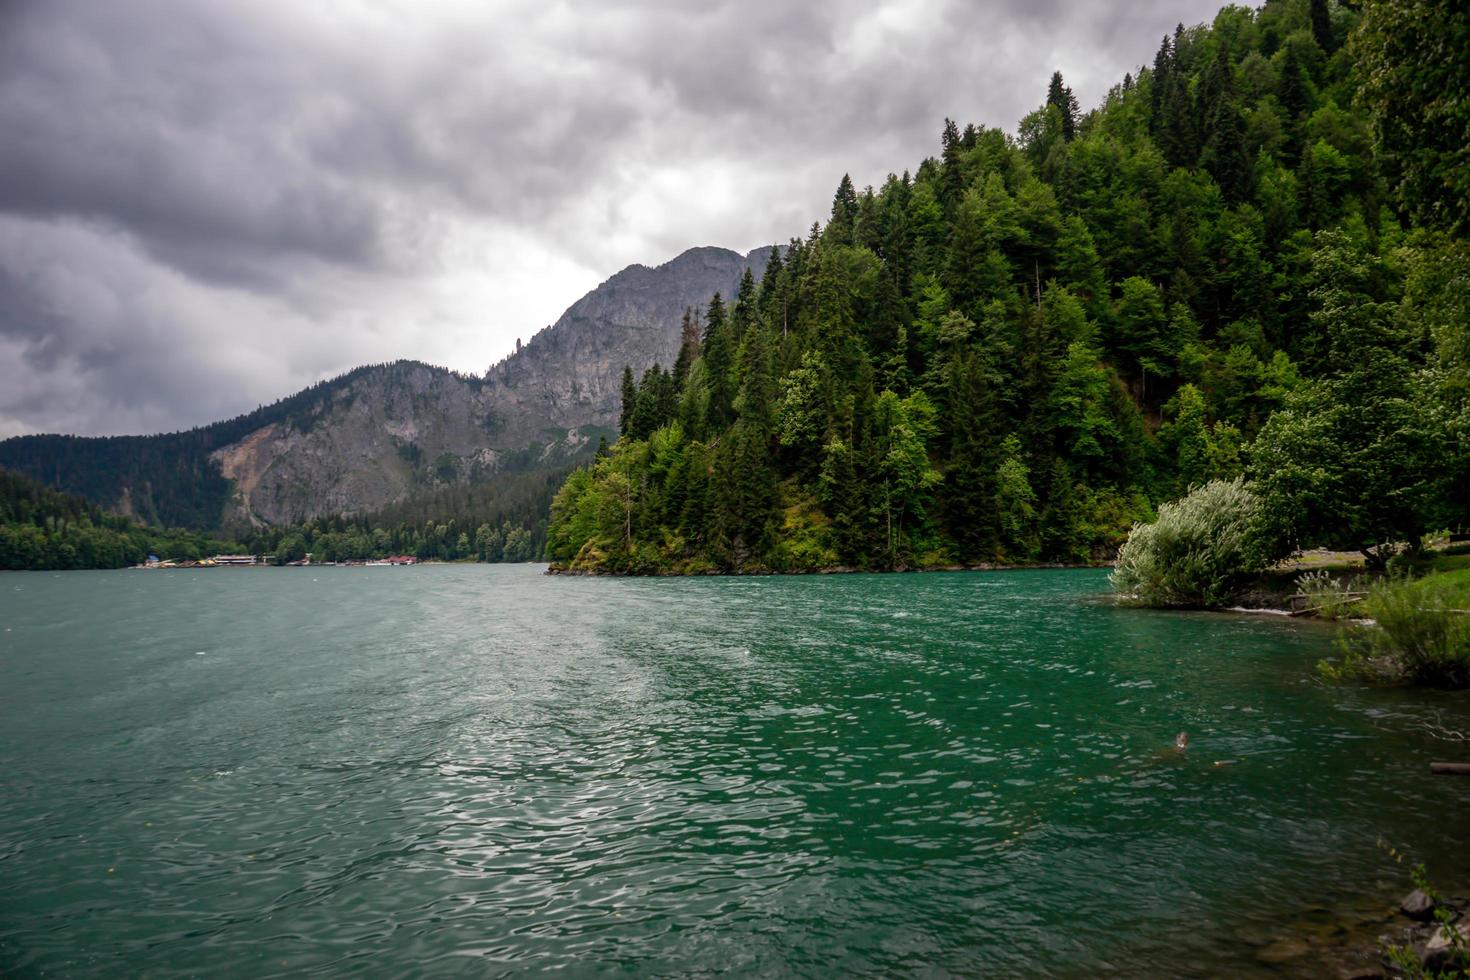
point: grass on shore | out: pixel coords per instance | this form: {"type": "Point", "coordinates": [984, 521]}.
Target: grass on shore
{"type": "Point", "coordinates": [1415, 627]}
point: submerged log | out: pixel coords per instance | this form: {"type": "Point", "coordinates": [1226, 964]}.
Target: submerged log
{"type": "Point", "coordinates": [1450, 768]}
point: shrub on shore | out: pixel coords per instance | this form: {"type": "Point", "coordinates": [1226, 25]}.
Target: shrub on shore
{"type": "Point", "coordinates": [1197, 550]}
{"type": "Point", "coordinates": [1416, 631]}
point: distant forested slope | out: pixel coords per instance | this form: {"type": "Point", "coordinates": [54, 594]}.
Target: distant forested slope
{"type": "Point", "coordinates": [41, 528]}
{"type": "Point", "coordinates": [165, 480]}
{"type": "Point", "coordinates": [500, 520]}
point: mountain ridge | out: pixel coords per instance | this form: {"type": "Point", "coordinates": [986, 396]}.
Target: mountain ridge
{"type": "Point", "coordinates": [378, 434]}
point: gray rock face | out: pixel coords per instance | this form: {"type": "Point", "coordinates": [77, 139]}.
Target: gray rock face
{"type": "Point", "coordinates": [391, 431]}
{"type": "Point", "coordinates": [377, 439]}
{"type": "Point", "coordinates": [570, 373]}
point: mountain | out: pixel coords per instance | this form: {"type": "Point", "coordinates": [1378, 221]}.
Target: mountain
{"type": "Point", "coordinates": [570, 373]}
{"type": "Point", "coordinates": [383, 434]}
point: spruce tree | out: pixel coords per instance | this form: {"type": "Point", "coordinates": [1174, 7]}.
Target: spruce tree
{"type": "Point", "coordinates": [1322, 26]}
{"type": "Point", "coordinates": [1160, 83]}
{"type": "Point", "coordinates": [844, 213]}
{"type": "Point", "coordinates": [973, 414]}
{"type": "Point", "coordinates": [746, 479]}
{"type": "Point", "coordinates": [952, 180]}
{"type": "Point", "coordinates": [1224, 154]}
{"type": "Point", "coordinates": [745, 310]}
{"type": "Point", "coordinates": [1061, 98]}
{"type": "Point", "coordinates": [630, 399]}
{"type": "Point", "coordinates": [719, 361]}
{"type": "Point", "coordinates": [688, 349]}
{"type": "Point", "coordinates": [770, 286]}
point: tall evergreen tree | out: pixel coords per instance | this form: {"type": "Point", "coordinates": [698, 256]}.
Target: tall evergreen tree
{"type": "Point", "coordinates": [719, 361]}
{"type": "Point", "coordinates": [1322, 26]}
{"type": "Point", "coordinates": [1060, 97]}
{"type": "Point", "coordinates": [952, 178]}
{"type": "Point", "coordinates": [630, 399]}
{"type": "Point", "coordinates": [1224, 154]}
{"type": "Point", "coordinates": [688, 348]}
{"type": "Point", "coordinates": [844, 213]}
{"type": "Point", "coordinates": [746, 479]}
{"type": "Point", "coordinates": [745, 310]}
{"type": "Point", "coordinates": [973, 413]}
{"type": "Point", "coordinates": [1161, 81]}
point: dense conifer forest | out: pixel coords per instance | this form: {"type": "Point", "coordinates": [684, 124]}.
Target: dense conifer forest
{"type": "Point", "coordinates": [42, 529]}
{"type": "Point", "coordinates": [502, 519]}
{"type": "Point", "coordinates": [1247, 261]}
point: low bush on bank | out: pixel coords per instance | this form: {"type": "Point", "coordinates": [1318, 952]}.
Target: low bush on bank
{"type": "Point", "coordinates": [1197, 551]}
{"type": "Point", "coordinates": [1328, 597]}
{"type": "Point", "coordinates": [1415, 631]}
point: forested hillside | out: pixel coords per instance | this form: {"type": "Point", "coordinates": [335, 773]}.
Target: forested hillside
{"type": "Point", "coordinates": [500, 520]}
{"type": "Point", "coordinates": [165, 480]}
{"type": "Point", "coordinates": [41, 528]}
{"type": "Point", "coordinates": [1241, 262]}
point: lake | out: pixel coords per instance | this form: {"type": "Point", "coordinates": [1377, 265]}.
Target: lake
{"type": "Point", "coordinates": [483, 770]}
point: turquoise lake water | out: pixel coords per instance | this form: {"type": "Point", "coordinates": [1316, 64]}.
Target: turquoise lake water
{"type": "Point", "coordinates": [483, 770]}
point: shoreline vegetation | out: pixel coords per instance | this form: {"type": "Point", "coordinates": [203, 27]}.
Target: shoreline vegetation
{"type": "Point", "coordinates": [1405, 612]}
{"type": "Point", "coordinates": [504, 520]}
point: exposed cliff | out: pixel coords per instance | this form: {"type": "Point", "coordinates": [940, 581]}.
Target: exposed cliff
{"type": "Point", "coordinates": [571, 372]}
{"type": "Point", "coordinates": [387, 434]}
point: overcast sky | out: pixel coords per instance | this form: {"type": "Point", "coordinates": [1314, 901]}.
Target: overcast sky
{"type": "Point", "coordinates": [207, 205]}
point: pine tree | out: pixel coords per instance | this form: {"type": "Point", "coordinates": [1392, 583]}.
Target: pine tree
{"type": "Point", "coordinates": [1161, 81]}
{"type": "Point", "coordinates": [770, 287]}
{"type": "Point", "coordinates": [1060, 97]}
{"type": "Point", "coordinates": [1224, 154]}
{"type": "Point", "coordinates": [952, 180]}
{"type": "Point", "coordinates": [973, 412]}
{"type": "Point", "coordinates": [719, 360]}
{"type": "Point", "coordinates": [688, 348]}
{"type": "Point", "coordinates": [630, 399]}
{"type": "Point", "coordinates": [744, 312]}
{"type": "Point", "coordinates": [844, 213]}
{"type": "Point", "coordinates": [1295, 97]}
{"type": "Point", "coordinates": [1322, 26]}
{"type": "Point", "coordinates": [1178, 138]}
{"type": "Point", "coordinates": [746, 480]}
{"type": "Point", "coordinates": [655, 404]}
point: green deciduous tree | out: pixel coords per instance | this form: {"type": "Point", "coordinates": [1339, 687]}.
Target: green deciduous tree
{"type": "Point", "coordinates": [1415, 72]}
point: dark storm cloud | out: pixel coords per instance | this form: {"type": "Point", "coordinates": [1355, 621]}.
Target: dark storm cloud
{"type": "Point", "coordinates": [173, 127]}
{"type": "Point", "coordinates": [204, 205]}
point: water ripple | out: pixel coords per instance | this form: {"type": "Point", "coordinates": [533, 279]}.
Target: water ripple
{"type": "Point", "coordinates": [450, 770]}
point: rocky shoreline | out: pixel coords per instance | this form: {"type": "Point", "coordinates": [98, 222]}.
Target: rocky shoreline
{"type": "Point", "coordinates": [1369, 941]}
